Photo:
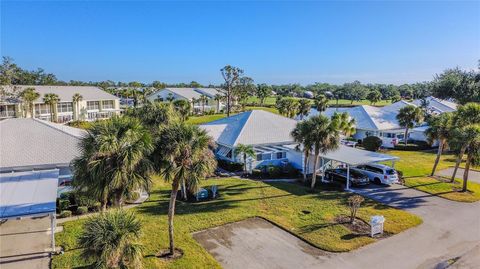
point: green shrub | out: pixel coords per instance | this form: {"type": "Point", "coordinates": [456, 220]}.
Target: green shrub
{"type": "Point", "coordinates": [230, 166]}
{"type": "Point", "coordinates": [97, 206]}
{"type": "Point", "coordinates": [372, 143]}
{"type": "Point", "coordinates": [81, 210]}
{"type": "Point", "coordinates": [83, 200]}
{"type": "Point", "coordinates": [257, 173]}
{"type": "Point", "coordinates": [65, 214]}
{"type": "Point", "coordinates": [64, 204]}
{"type": "Point", "coordinates": [133, 196]}
{"type": "Point", "coordinates": [80, 124]}
{"type": "Point", "coordinates": [413, 145]}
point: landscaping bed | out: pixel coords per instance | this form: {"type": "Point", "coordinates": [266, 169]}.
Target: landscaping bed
{"type": "Point", "coordinates": [284, 204]}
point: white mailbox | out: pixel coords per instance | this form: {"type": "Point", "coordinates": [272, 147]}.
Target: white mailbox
{"type": "Point", "coordinates": [376, 224]}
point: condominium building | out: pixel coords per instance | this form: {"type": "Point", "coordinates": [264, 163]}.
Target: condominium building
{"type": "Point", "coordinates": [93, 104]}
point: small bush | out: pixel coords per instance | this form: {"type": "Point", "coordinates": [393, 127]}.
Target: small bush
{"type": "Point", "coordinates": [230, 166]}
{"type": "Point", "coordinates": [65, 214]}
{"type": "Point", "coordinates": [81, 210]}
{"type": "Point", "coordinates": [64, 204]}
{"type": "Point", "coordinates": [372, 143]}
{"type": "Point", "coordinates": [413, 145]}
{"type": "Point", "coordinates": [83, 200]}
{"type": "Point", "coordinates": [97, 206]}
{"type": "Point", "coordinates": [354, 203]}
{"type": "Point", "coordinates": [257, 173]}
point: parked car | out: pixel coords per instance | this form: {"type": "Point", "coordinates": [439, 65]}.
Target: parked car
{"type": "Point", "coordinates": [339, 175]}
{"type": "Point", "coordinates": [378, 173]}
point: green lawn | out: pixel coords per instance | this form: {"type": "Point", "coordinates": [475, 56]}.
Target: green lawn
{"type": "Point", "coordinates": [271, 101]}
{"type": "Point", "coordinates": [209, 118]}
{"type": "Point", "coordinates": [281, 203]}
{"type": "Point", "coordinates": [417, 166]}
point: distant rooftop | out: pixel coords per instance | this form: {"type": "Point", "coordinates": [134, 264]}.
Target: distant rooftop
{"type": "Point", "coordinates": [190, 93]}
{"type": "Point", "coordinates": [27, 142]}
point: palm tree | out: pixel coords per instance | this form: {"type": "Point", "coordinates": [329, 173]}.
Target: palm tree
{"type": "Point", "coordinates": [473, 150]}
{"type": "Point", "coordinates": [218, 98]}
{"type": "Point", "coordinates": [182, 157]}
{"type": "Point", "coordinates": [346, 125]}
{"type": "Point", "coordinates": [407, 117]}
{"type": "Point", "coordinates": [77, 98]}
{"type": "Point", "coordinates": [29, 95]}
{"type": "Point", "coordinates": [52, 100]}
{"type": "Point", "coordinates": [324, 137]}
{"type": "Point", "coordinates": [183, 108]}
{"type": "Point", "coordinates": [246, 151]}
{"type": "Point", "coordinates": [113, 160]}
{"type": "Point", "coordinates": [152, 115]}
{"type": "Point", "coordinates": [465, 115]}
{"type": "Point", "coordinates": [439, 129]}
{"type": "Point", "coordinates": [204, 100]}
{"type": "Point", "coordinates": [321, 102]}
{"type": "Point", "coordinates": [304, 106]}
{"type": "Point", "coordinates": [110, 239]}
{"type": "Point", "coordinates": [300, 135]}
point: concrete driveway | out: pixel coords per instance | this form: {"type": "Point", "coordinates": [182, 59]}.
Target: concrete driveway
{"type": "Point", "coordinates": [473, 176]}
{"type": "Point", "coordinates": [25, 244]}
{"type": "Point", "coordinates": [450, 230]}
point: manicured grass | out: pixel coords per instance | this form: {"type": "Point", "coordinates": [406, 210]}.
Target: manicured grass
{"type": "Point", "coordinates": [417, 166]}
{"type": "Point", "coordinates": [205, 118]}
{"type": "Point", "coordinates": [269, 109]}
{"type": "Point", "coordinates": [271, 101]}
{"type": "Point", "coordinates": [281, 203]}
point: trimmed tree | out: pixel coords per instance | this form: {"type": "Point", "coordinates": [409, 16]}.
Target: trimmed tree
{"type": "Point", "coordinates": [408, 117]}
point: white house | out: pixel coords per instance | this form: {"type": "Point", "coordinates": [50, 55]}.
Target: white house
{"type": "Point", "coordinates": [193, 95]}
{"type": "Point", "coordinates": [94, 104]}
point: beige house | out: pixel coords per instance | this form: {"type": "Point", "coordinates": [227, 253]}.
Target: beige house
{"type": "Point", "coordinates": [194, 96]}
{"type": "Point", "coordinates": [94, 104]}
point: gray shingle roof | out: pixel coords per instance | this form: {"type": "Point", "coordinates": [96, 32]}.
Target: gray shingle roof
{"type": "Point", "coordinates": [256, 127]}
{"type": "Point", "coordinates": [89, 93]}
{"type": "Point", "coordinates": [36, 143]}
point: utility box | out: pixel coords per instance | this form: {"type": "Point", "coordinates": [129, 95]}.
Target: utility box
{"type": "Point", "coordinates": [376, 224]}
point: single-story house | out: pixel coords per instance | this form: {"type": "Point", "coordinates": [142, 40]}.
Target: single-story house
{"type": "Point", "coordinates": [270, 136]}
{"type": "Point", "coordinates": [28, 144]}
{"type": "Point", "coordinates": [94, 104]}
{"type": "Point", "coordinates": [382, 121]}
{"type": "Point", "coordinates": [193, 95]}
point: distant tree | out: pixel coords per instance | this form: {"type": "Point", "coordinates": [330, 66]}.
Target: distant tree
{"type": "Point", "coordinates": [356, 91]}
{"type": "Point", "coordinates": [159, 85]}
{"type": "Point", "coordinates": [321, 102]}
{"type": "Point", "coordinates": [439, 129]}
{"type": "Point", "coordinates": [52, 100]}
{"type": "Point", "coordinates": [110, 240]}
{"type": "Point", "coordinates": [231, 75]}
{"type": "Point", "coordinates": [28, 96]}
{"type": "Point", "coordinates": [244, 89]}
{"type": "Point", "coordinates": [287, 107]}
{"type": "Point", "coordinates": [463, 86]}
{"type": "Point", "coordinates": [76, 99]}
{"type": "Point", "coordinates": [203, 100]}
{"type": "Point", "coordinates": [374, 96]}
{"type": "Point", "coordinates": [396, 98]}
{"type": "Point", "coordinates": [304, 106]}
{"type": "Point", "coordinates": [245, 151]}
{"type": "Point", "coordinates": [263, 91]}
{"type": "Point", "coordinates": [195, 84]}
{"type": "Point", "coordinates": [218, 98]}
{"type": "Point", "coordinates": [152, 115]}
{"type": "Point", "coordinates": [407, 117]}
{"type": "Point", "coordinates": [8, 71]}
{"type": "Point", "coordinates": [183, 108]}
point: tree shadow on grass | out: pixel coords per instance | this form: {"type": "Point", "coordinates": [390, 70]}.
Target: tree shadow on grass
{"type": "Point", "coordinates": [322, 191]}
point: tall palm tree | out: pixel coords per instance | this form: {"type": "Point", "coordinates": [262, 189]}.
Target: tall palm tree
{"type": "Point", "coordinates": [183, 108]}
{"type": "Point", "coordinates": [321, 102]}
{"type": "Point", "coordinates": [218, 98]}
{"type": "Point", "coordinates": [304, 106]}
{"type": "Point", "coordinates": [346, 125]}
{"type": "Point", "coordinates": [113, 160]}
{"type": "Point", "coordinates": [182, 157]}
{"type": "Point", "coordinates": [204, 100]}
{"type": "Point", "coordinates": [76, 99]}
{"type": "Point", "coordinates": [464, 116]}
{"type": "Point", "coordinates": [407, 117]}
{"type": "Point", "coordinates": [324, 137]}
{"type": "Point", "coordinates": [110, 239]}
{"type": "Point", "coordinates": [28, 96]}
{"type": "Point", "coordinates": [473, 150]}
{"type": "Point", "coordinates": [52, 100]}
{"type": "Point", "coordinates": [439, 129]}
{"type": "Point", "coordinates": [246, 151]}
{"type": "Point", "coordinates": [300, 135]}
{"type": "Point", "coordinates": [152, 115]}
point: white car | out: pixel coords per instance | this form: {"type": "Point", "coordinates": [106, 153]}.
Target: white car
{"type": "Point", "coordinates": [379, 173]}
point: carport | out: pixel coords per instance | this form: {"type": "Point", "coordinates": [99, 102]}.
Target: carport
{"type": "Point", "coordinates": [29, 194]}
{"type": "Point", "coordinates": [353, 157]}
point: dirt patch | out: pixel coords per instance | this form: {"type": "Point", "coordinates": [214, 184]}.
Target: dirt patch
{"type": "Point", "coordinates": [165, 254]}
{"type": "Point", "coordinates": [358, 226]}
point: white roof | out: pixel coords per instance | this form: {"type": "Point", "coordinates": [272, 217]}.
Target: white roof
{"type": "Point", "coordinates": [190, 93]}
{"type": "Point", "coordinates": [437, 105]}
{"type": "Point", "coordinates": [27, 142]}
{"type": "Point", "coordinates": [65, 93]}
{"type": "Point", "coordinates": [256, 127]}
{"type": "Point", "coordinates": [28, 193]}
{"type": "Point", "coordinates": [354, 156]}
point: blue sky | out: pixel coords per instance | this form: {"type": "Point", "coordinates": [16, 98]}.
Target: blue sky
{"type": "Point", "coordinates": [274, 42]}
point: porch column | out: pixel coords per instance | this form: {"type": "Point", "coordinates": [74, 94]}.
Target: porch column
{"type": "Point", "coordinates": [348, 178]}
{"type": "Point", "coordinates": [323, 171]}
{"type": "Point", "coordinates": [53, 225]}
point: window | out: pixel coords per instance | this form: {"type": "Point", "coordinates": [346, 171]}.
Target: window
{"type": "Point", "coordinates": [42, 109]}
{"type": "Point", "coordinates": [281, 155]}
{"type": "Point", "coordinates": [93, 105]}
{"type": "Point", "coordinates": [108, 104]}
{"type": "Point", "coordinates": [64, 107]}
{"type": "Point", "coordinates": [264, 156]}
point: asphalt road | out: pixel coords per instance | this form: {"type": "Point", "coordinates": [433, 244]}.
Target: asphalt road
{"type": "Point", "coordinates": [450, 230]}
